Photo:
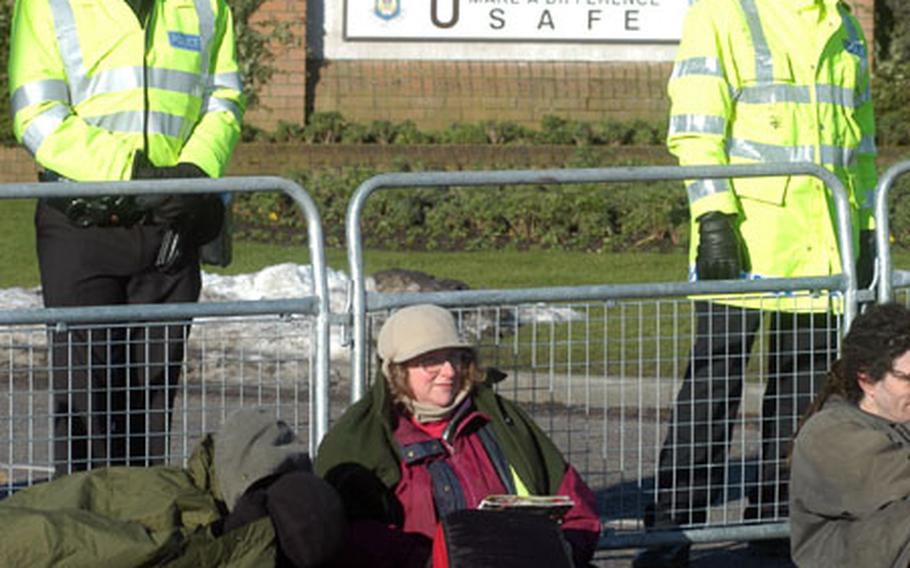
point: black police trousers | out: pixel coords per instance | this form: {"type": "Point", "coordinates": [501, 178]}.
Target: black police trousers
{"type": "Point", "coordinates": [692, 468]}
{"type": "Point", "coordinates": [113, 383]}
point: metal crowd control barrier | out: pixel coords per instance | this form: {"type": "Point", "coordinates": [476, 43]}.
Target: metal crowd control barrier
{"type": "Point", "coordinates": [896, 278]}
{"type": "Point", "coordinates": [590, 361]}
{"type": "Point", "coordinates": [239, 352]}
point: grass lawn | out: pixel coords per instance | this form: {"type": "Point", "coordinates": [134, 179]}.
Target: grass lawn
{"type": "Point", "coordinates": [18, 264]}
{"type": "Point", "coordinates": [626, 339]}
{"type": "Point", "coordinates": [499, 269]}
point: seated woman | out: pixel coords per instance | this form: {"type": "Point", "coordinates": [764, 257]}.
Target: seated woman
{"type": "Point", "coordinates": [850, 479]}
{"type": "Point", "coordinates": [432, 438]}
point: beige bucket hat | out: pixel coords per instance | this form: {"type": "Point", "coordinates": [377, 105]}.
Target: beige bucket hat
{"type": "Point", "coordinates": [416, 330]}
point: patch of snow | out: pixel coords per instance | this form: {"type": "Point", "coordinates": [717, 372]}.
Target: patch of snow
{"type": "Point", "coordinates": [265, 338]}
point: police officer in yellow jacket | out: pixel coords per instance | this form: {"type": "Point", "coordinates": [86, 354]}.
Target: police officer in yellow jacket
{"type": "Point", "coordinates": [758, 81]}
{"type": "Point", "coordinates": [118, 90]}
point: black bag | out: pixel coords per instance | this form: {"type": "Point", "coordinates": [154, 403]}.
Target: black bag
{"type": "Point", "coordinates": [220, 250]}
{"type": "Point", "coordinates": [472, 538]}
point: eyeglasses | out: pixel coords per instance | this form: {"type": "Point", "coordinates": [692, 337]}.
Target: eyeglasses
{"type": "Point", "coordinates": [900, 375]}
{"type": "Point", "coordinates": [433, 362]}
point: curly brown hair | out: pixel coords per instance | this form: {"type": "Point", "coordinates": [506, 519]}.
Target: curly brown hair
{"type": "Point", "coordinates": [876, 338]}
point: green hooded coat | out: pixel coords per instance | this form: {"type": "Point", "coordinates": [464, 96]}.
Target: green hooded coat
{"type": "Point", "coordinates": [127, 516]}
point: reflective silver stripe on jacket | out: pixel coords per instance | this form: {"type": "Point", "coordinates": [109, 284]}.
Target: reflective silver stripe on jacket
{"type": "Point", "coordinates": [701, 188]}
{"type": "Point", "coordinates": [697, 66]}
{"type": "Point", "coordinates": [173, 80]}
{"type": "Point", "coordinates": [837, 156]}
{"type": "Point", "coordinates": [111, 81]}
{"type": "Point", "coordinates": [760, 152]}
{"type": "Point", "coordinates": [223, 105]}
{"type": "Point", "coordinates": [215, 104]}
{"type": "Point", "coordinates": [836, 95]}
{"type": "Point", "coordinates": [206, 33]}
{"type": "Point", "coordinates": [773, 93]}
{"type": "Point", "coordinates": [38, 92]}
{"type": "Point", "coordinates": [697, 124]}
{"type": "Point", "coordinates": [68, 42]}
{"type": "Point", "coordinates": [786, 93]}
{"type": "Point", "coordinates": [116, 80]}
{"type": "Point", "coordinates": [764, 65]}
{"type": "Point", "coordinates": [42, 125]}
{"type": "Point", "coordinates": [867, 145]}
{"type": "Point", "coordinates": [132, 121]}
{"type": "Point", "coordinates": [82, 86]}
{"type": "Point", "coordinates": [126, 78]}
{"type": "Point", "coordinates": [227, 81]}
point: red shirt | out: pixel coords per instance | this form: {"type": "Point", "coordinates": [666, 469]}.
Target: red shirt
{"type": "Point", "coordinates": [466, 456]}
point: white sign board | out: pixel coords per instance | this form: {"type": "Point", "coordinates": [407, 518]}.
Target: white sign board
{"type": "Point", "coordinates": [515, 20]}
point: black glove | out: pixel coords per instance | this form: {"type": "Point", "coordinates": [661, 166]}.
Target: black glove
{"type": "Point", "coordinates": [198, 216]}
{"type": "Point", "coordinates": [144, 169]}
{"type": "Point", "coordinates": [865, 260]}
{"type": "Point", "coordinates": [308, 516]}
{"type": "Point", "coordinates": [720, 248]}
{"type": "Point", "coordinates": [191, 219]}
{"type": "Point", "coordinates": [306, 513]}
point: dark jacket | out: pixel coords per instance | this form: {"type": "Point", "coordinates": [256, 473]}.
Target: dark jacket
{"type": "Point", "coordinates": [360, 456]}
{"type": "Point", "coordinates": [850, 490]}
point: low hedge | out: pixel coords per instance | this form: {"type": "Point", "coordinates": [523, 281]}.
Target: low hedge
{"type": "Point", "coordinates": [333, 128]}
{"type": "Point", "coordinates": [578, 217]}
{"type": "Point", "coordinates": [589, 217]}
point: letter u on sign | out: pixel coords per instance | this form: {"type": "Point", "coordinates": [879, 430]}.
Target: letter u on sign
{"type": "Point", "coordinates": [434, 13]}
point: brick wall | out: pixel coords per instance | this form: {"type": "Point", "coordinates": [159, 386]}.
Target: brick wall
{"type": "Point", "coordinates": [435, 94]}
{"type": "Point", "coordinates": [284, 98]}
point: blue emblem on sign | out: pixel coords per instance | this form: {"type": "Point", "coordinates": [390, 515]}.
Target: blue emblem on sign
{"type": "Point", "coordinates": [184, 41]}
{"type": "Point", "coordinates": [387, 9]}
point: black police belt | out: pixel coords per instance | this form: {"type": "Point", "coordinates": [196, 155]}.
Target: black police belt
{"type": "Point", "coordinates": [96, 211]}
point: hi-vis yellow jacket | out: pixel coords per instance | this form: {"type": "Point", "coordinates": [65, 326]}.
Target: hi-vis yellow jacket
{"type": "Point", "coordinates": [91, 84]}
{"type": "Point", "coordinates": [775, 81]}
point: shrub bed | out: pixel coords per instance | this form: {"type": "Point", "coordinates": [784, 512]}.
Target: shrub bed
{"type": "Point", "coordinates": [589, 217]}
{"type": "Point", "coordinates": [580, 217]}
